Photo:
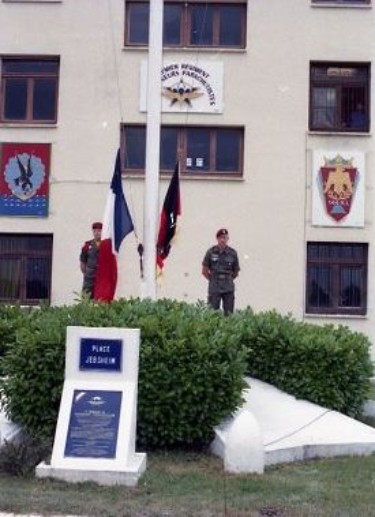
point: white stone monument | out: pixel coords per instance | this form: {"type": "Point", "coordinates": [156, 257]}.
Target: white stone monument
{"type": "Point", "coordinates": [96, 428]}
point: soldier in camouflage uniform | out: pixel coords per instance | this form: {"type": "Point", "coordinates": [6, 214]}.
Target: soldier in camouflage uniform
{"type": "Point", "coordinates": [221, 266]}
{"type": "Point", "coordinates": [89, 260]}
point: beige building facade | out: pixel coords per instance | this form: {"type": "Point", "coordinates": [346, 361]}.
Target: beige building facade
{"type": "Point", "coordinates": [258, 102]}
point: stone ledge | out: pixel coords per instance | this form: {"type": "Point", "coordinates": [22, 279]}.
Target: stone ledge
{"type": "Point", "coordinates": [129, 477]}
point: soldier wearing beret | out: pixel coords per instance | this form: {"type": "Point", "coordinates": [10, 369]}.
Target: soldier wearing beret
{"type": "Point", "coordinates": [221, 266]}
{"type": "Point", "coordinates": [89, 259]}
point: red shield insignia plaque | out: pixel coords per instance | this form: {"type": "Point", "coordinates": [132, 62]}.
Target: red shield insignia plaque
{"type": "Point", "coordinates": [339, 180]}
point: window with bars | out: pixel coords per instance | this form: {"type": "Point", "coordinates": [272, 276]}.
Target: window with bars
{"type": "Point", "coordinates": [336, 279]}
{"type": "Point", "coordinates": [210, 151]}
{"type": "Point", "coordinates": [190, 24]}
{"type": "Point", "coordinates": [25, 268]}
{"type": "Point", "coordinates": [339, 97]}
{"type": "Point", "coordinates": [29, 90]}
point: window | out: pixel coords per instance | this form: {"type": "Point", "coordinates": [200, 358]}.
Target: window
{"type": "Point", "coordinates": [339, 97]}
{"type": "Point", "coordinates": [29, 90]}
{"type": "Point", "coordinates": [203, 150]}
{"type": "Point", "coordinates": [342, 2]}
{"type": "Point", "coordinates": [336, 278]}
{"type": "Point", "coordinates": [198, 24]}
{"type": "Point", "coordinates": [25, 268]}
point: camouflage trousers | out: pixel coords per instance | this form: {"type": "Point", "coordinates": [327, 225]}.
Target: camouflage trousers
{"type": "Point", "coordinates": [227, 299]}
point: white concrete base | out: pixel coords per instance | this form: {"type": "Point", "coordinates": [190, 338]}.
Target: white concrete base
{"type": "Point", "coordinates": [9, 432]}
{"type": "Point", "coordinates": [314, 451]}
{"type": "Point", "coordinates": [128, 477]}
{"type": "Point", "coordinates": [239, 443]}
{"type": "Point", "coordinates": [289, 430]}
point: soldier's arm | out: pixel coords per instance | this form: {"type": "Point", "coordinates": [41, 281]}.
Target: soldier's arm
{"type": "Point", "coordinates": [236, 267]}
{"type": "Point", "coordinates": [83, 258]}
{"type": "Point", "coordinates": [206, 272]}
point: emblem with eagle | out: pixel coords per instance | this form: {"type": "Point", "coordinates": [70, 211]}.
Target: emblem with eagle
{"type": "Point", "coordinates": [24, 174]}
{"type": "Point", "coordinates": [181, 93]}
{"type": "Point", "coordinates": [339, 178]}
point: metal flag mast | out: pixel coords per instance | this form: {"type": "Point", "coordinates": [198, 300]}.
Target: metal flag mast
{"type": "Point", "coordinates": [151, 195]}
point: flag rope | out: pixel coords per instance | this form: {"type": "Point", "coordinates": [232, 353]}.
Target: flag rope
{"type": "Point", "coordinates": [121, 111]}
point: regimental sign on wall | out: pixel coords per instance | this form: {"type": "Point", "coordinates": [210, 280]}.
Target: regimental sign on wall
{"type": "Point", "coordinates": [187, 86]}
{"type": "Point", "coordinates": [24, 179]}
{"type": "Point", "coordinates": [95, 434]}
{"type": "Point", "coordinates": [338, 188]}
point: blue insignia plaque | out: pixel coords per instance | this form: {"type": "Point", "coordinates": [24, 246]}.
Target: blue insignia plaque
{"type": "Point", "coordinates": [93, 424]}
{"type": "Point", "coordinates": [100, 354]}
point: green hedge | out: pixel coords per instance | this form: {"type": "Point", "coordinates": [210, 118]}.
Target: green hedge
{"type": "Point", "coordinates": [328, 365]}
{"type": "Point", "coordinates": [191, 368]}
{"type": "Point", "coordinates": [192, 363]}
{"type": "Point", "coordinates": [11, 318]}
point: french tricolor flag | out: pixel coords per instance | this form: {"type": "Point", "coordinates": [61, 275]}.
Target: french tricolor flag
{"type": "Point", "coordinates": [117, 224]}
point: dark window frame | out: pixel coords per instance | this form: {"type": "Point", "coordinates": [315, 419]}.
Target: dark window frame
{"type": "Point", "coordinates": [336, 265]}
{"type": "Point", "coordinates": [185, 24]}
{"type": "Point", "coordinates": [181, 151]}
{"type": "Point", "coordinates": [31, 79]}
{"type": "Point", "coordinates": [22, 254]}
{"type": "Point", "coordinates": [347, 93]}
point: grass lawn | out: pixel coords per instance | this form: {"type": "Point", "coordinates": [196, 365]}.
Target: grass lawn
{"type": "Point", "coordinates": [195, 485]}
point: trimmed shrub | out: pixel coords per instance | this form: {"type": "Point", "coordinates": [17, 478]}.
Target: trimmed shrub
{"type": "Point", "coordinates": [193, 366]}
{"type": "Point", "coordinates": [192, 363]}
{"type": "Point", "coordinates": [33, 368]}
{"type": "Point", "coordinates": [190, 378]}
{"type": "Point", "coordinates": [11, 318]}
{"type": "Point", "coordinates": [328, 365]}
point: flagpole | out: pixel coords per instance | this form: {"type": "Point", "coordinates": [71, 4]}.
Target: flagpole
{"type": "Point", "coordinates": [151, 196]}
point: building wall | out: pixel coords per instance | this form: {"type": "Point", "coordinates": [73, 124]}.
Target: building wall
{"type": "Point", "coordinates": [266, 89]}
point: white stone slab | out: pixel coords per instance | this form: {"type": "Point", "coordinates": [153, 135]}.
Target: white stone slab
{"type": "Point", "coordinates": [249, 457]}
{"type": "Point", "coordinates": [9, 432]}
{"type": "Point", "coordinates": [96, 428]}
{"type": "Point", "coordinates": [295, 430]}
{"type": "Point", "coordinates": [128, 477]}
